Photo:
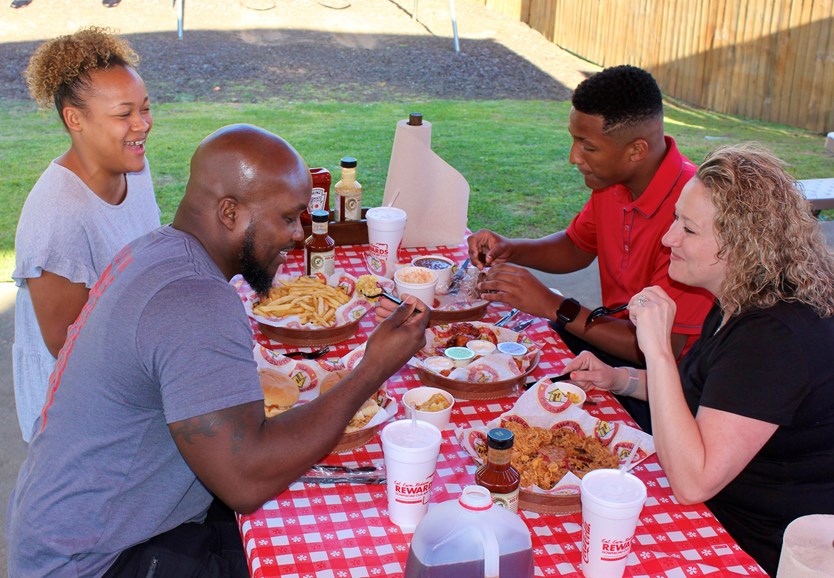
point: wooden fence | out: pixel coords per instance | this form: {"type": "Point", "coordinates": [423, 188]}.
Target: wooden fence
{"type": "Point", "coordinates": [771, 60]}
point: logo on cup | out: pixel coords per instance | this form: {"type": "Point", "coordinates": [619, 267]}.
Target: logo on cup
{"type": "Point", "coordinates": [615, 549]}
{"type": "Point", "coordinates": [586, 541]}
{"type": "Point", "coordinates": [413, 493]}
{"type": "Point", "coordinates": [376, 258]}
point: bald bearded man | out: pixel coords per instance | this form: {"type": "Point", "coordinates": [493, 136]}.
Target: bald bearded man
{"type": "Point", "coordinates": [155, 406]}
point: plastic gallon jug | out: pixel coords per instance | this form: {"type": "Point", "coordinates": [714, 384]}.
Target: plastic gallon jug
{"type": "Point", "coordinates": [470, 538]}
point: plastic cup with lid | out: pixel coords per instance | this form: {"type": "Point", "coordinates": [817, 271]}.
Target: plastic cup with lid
{"type": "Point", "coordinates": [386, 226]}
{"type": "Point", "coordinates": [611, 506]}
{"type": "Point", "coordinates": [409, 449]}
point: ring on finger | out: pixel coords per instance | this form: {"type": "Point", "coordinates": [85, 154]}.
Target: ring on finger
{"type": "Point", "coordinates": [642, 300]}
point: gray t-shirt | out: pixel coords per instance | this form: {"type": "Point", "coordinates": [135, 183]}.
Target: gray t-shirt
{"type": "Point", "coordinates": [163, 338]}
{"type": "Point", "coordinates": [68, 230]}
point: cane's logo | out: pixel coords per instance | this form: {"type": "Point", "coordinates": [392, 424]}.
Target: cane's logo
{"type": "Point", "coordinates": [553, 399]}
{"type": "Point", "coordinates": [514, 419]}
{"type": "Point", "coordinates": [623, 449]}
{"type": "Point", "coordinates": [304, 378]}
{"type": "Point", "coordinates": [570, 424]}
{"type": "Point", "coordinates": [273, 358]}
{"type": "Point", "coordinates": [605, 431]}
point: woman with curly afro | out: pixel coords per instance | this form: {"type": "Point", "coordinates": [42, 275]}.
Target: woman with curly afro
{"type": "Point", "coordinates": [746, 422]}
{"type": "Point", "coordinates": [90, 201]}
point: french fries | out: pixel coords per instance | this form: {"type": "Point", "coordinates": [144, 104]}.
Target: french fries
{"type": "Point", "coordinates": [309, 298]}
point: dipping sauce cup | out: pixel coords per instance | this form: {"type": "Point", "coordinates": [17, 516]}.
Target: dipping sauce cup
{"type": "Point", "coordinates": [441, 265]}
{"type": "Point", "coordinates": [417, 403]}
{"type": "Point", "coordinates": [460, 356]}
{"type": "Point", "coordinates": [481, 347]}
{"type": "Point", "coordinates": [418, 282]}
{"type": "Point", "coordinates": [512, 348]}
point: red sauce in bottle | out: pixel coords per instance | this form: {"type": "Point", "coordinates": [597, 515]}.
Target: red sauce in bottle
{"type": "Point", "coordinates": [320, 197]}
{"type": "Point", "coordinates": [319, 248]}
{"type": "Point", "coordinates": [497, 474]}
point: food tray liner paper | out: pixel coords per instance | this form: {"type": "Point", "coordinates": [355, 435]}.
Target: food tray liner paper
{"type": "Point", "coordinates": [351, 311]}
{"type": "Point", "coordinates": [494, 367]}
{"type": "Point", "coordinates": [541, 406]}
{"type": "Point", "coordinates": [308, 375]}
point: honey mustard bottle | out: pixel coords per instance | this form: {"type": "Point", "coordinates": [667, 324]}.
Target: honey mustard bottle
{"type": "Point", "coordinates": [320, 248]}
{"type": "Point", "coordinates": [497, 474]}
{"type": "Point", "coordinates": [348, 193]}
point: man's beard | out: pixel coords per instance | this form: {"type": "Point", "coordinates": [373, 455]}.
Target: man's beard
{"type": "Point", "coordinates": [254, 274]}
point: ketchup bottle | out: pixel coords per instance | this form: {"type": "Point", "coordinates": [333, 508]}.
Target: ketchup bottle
{"type": "Point", "coordinates": [497, 474]}
{"type": "Point", "coordinates": [320, 197]}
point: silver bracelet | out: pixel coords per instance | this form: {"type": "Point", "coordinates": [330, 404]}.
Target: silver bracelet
{"type": "Point", "coordinates": [631, 386]}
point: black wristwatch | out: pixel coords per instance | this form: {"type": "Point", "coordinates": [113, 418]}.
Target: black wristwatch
{"type": "Point", "coordinates": [568, 311]}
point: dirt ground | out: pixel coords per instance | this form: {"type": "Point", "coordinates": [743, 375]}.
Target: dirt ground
{"type": "Point", "coordinates": [365, 50]}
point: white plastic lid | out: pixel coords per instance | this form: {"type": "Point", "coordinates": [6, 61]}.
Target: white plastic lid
{"type": "Point", "coordinates": [512, 348]}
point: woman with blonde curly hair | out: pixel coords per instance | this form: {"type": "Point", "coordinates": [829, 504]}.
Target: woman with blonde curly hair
{"type": "Point", "coordinates": [746, 422]}
{"type": "Point", "coordinates": [90, 201]}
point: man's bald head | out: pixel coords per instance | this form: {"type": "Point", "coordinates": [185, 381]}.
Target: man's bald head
{"type": "Point", "coordinates": [236, 159]}
{"type": "Point", "coordinates": [243, 177]}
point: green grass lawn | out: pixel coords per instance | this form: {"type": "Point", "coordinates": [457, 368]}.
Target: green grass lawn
{"type": "Point", "coordinates": [513, 153]}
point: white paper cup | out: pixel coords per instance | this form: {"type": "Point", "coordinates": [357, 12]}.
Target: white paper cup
{"type": "Point", "coordinates": [419, 395]}
{"type": "Point", "coordinates": [441, 265]}
{"type": "Point", "coordinates": [409, 280]}
{"type": "Point", "coordinates": [410, 453]}
{"type": "Point", "coordinates": [385, 234]}
{"type": "Point", "coordinates": [611, 506]}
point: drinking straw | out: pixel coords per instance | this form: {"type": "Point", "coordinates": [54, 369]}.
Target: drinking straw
{"type": "Point", "coordinates": [627, 464]}
{"type": "Point", "coordinates": [393, 198]}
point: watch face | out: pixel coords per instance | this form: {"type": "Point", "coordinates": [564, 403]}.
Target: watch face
{"type": "Point", "coordinates": [568, 310]}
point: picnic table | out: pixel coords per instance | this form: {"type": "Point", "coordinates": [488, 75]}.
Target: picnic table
{"type": "Point", "coordinates": [343, 531]}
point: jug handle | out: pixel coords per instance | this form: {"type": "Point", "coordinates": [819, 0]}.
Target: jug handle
{"type": "Point", "coordinates": [491, 552]}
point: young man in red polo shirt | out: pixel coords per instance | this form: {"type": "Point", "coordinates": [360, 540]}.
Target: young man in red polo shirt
{"type": "Point", "coordinates": [636, 175]}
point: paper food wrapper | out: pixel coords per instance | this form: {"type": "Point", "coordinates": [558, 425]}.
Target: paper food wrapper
{"type": "Point", "coordinates": [308, 375]}
{"type": "Point", "coordinates": [354, 309]}
{"type": "Point", "coordinates": [543, 406]}
{"type": "Point", "coordinates": [494, 367]}
{"type": "Point", "coordinates": [432, 193]}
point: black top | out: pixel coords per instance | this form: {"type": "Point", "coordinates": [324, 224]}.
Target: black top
{"type": "Point", "coordinates": [500, 438]}
{"type": "Point", "coordinates": [775, 365]}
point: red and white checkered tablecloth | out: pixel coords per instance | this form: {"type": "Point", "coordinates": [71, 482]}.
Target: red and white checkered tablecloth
{"type": "Point", "coordinates": [343, 531]}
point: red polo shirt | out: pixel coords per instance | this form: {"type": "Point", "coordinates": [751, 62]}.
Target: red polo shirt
{"type": "Point", "coordinates": [625, 235]}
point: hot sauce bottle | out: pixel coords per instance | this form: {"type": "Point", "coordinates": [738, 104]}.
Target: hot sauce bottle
{"type": "Point", "coordinates": [320, 196]}
{"type": "Point", "coordinates": [348, 193]}
{"type": "Point", "coordinates": [497, 474]}
{"type": "Point", "coordinates": [320, 248]}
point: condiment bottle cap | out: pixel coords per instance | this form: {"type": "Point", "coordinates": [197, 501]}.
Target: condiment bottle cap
{"type": "Point", "coordinates": [348, 162]}
{"type": "Point", "coordinates": [320, 216]}
{"type": "Point", "coordinates": [500, 438]}
{"type": "Point", "coordinates": [415, 119]}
